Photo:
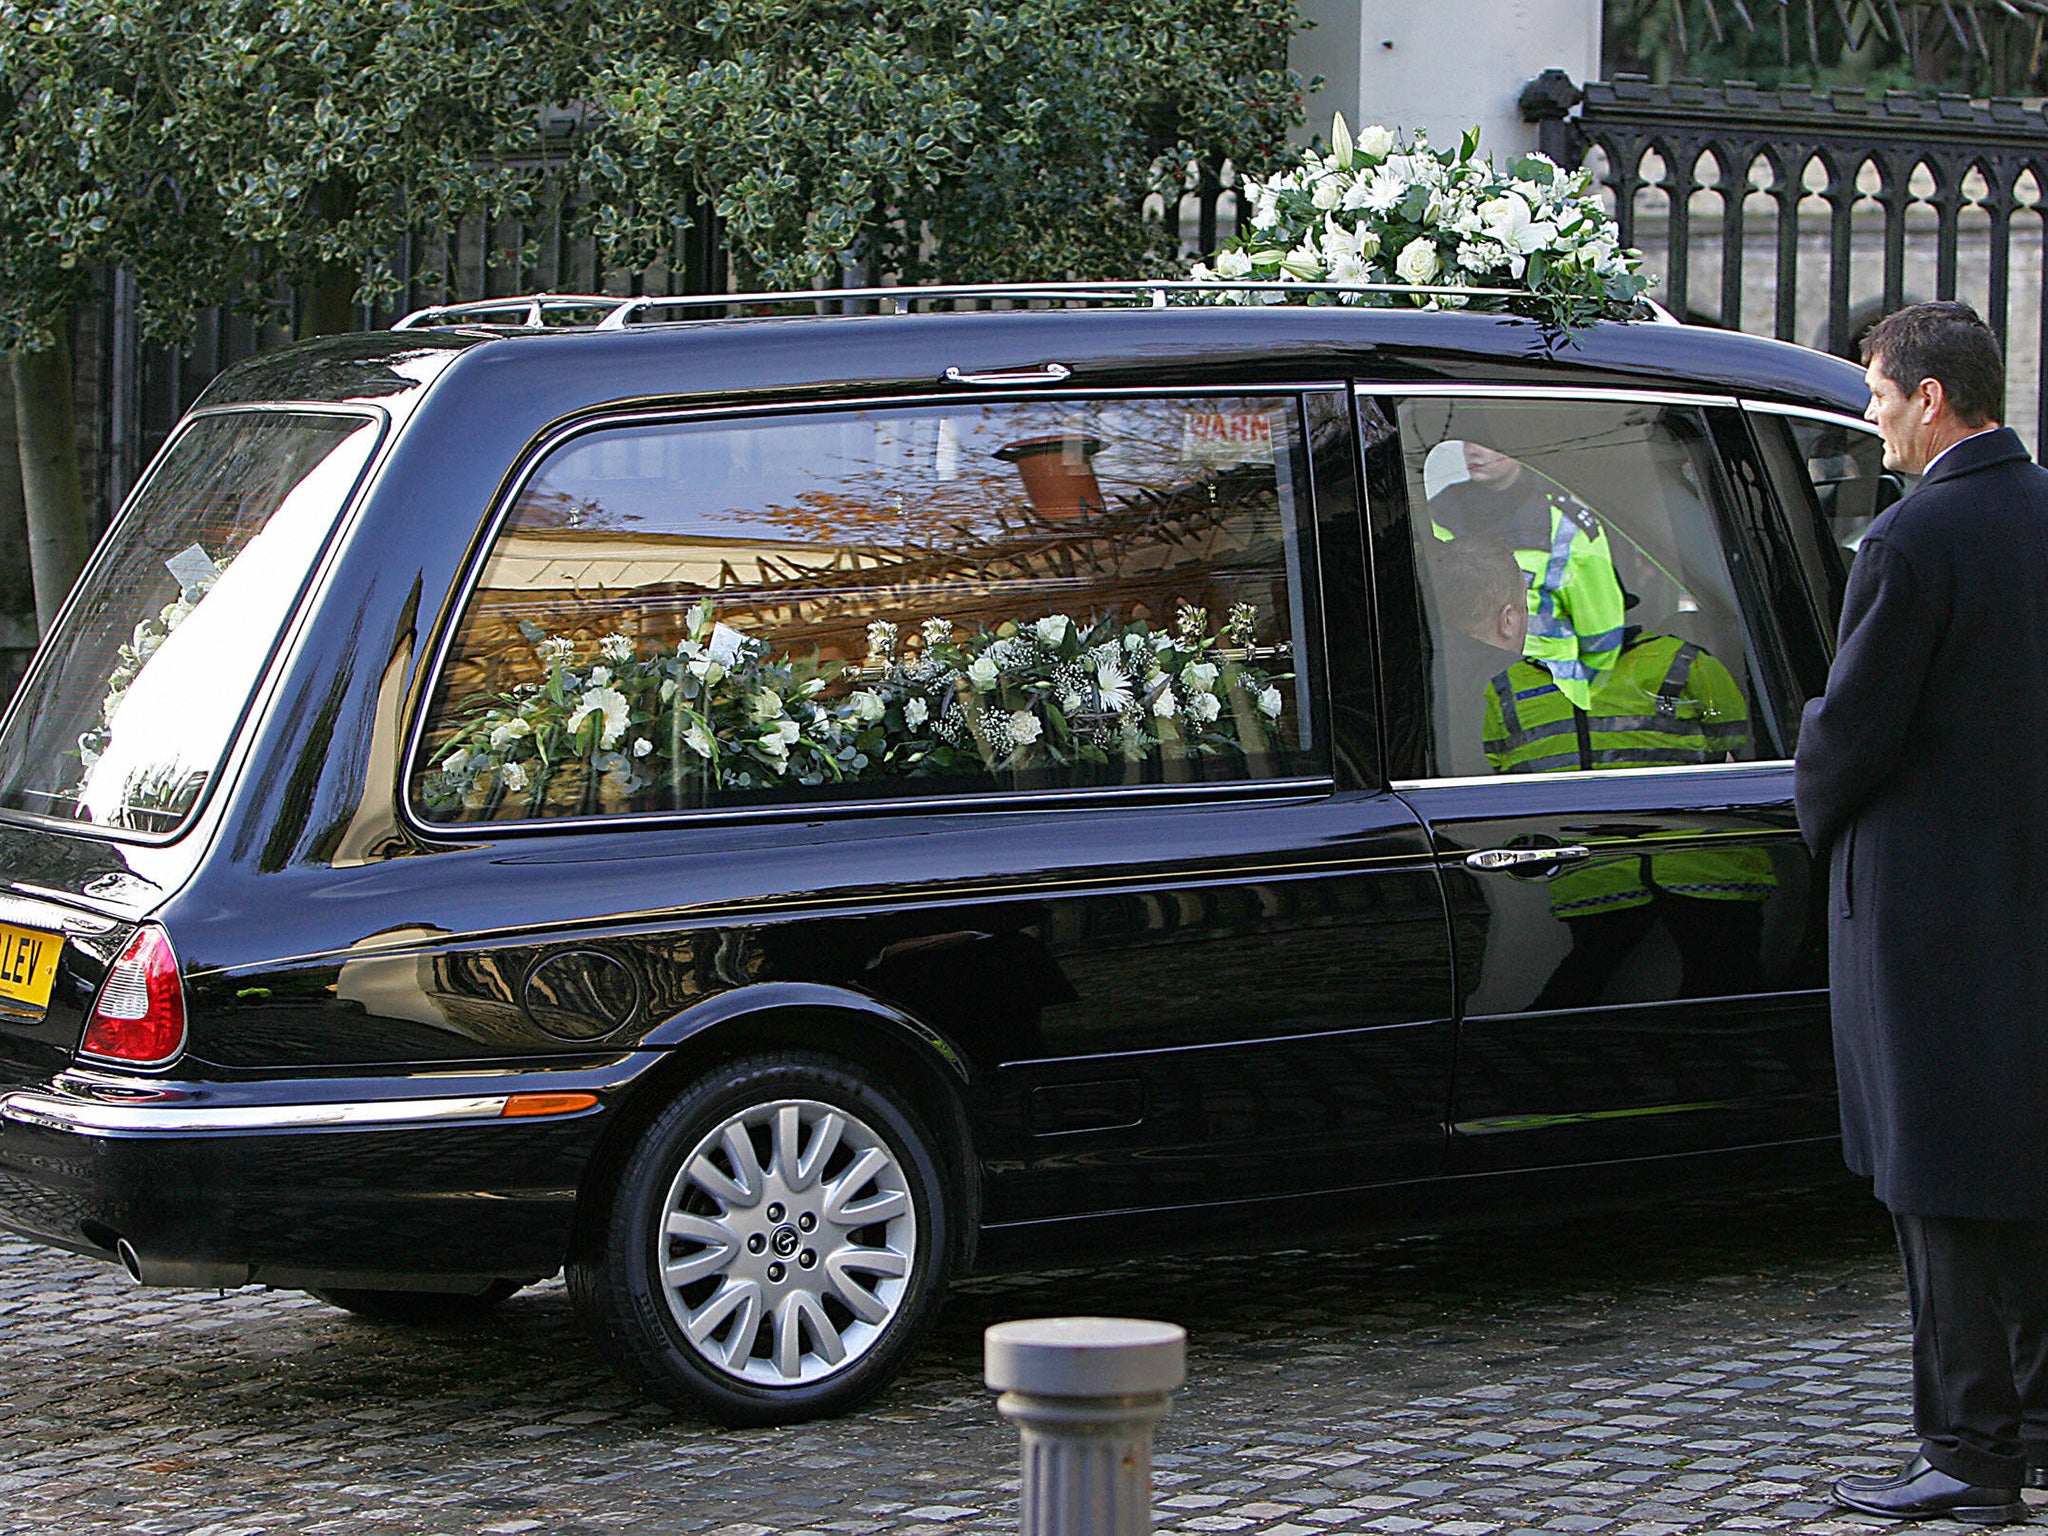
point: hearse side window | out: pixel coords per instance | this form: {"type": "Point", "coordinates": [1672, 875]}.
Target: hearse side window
{"type": "Point", "coordinates": [1831, 477]}
{"type": "Point", "coordinates": [1580, 607]}
{"type": "Point", "coordinates": [135, 700]}
{"type": "Point", "coordinates": [891, 602]}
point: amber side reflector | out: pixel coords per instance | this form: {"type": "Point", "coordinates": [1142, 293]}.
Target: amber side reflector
{"type": "Point", "coordinates": [546, 1104]}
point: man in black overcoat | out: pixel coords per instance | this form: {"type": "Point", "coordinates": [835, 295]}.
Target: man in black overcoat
{"type": "Point", "coordinates": [1924, 771]}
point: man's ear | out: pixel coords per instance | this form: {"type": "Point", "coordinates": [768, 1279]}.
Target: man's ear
{"type": "Point", "coordinates": [1933, 397]}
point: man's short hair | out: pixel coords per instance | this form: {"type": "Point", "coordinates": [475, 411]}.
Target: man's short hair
{"type": "Point", "coordinates": [1945, 341]}
{"type": "Point", "coordinates": [1473, 580]}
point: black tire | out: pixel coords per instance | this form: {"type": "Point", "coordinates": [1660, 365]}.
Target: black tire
{"type": "Point", "coordinates": [790, 1237]}
{"type": "Point", "coordinates": [418, 1309]}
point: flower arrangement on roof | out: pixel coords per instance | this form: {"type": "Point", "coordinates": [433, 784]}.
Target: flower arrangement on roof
{"type": "Point", "coordinates": [1381, 209]}
{"type": "Point", "coordinates": [720, 712]}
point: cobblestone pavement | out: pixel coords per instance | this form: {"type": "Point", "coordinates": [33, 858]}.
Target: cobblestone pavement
{"type": "Point", "coordinates": [1699, 1369]}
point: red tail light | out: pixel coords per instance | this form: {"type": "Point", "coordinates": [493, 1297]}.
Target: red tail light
{"type": "Point", "coordinates": [140, 1015]}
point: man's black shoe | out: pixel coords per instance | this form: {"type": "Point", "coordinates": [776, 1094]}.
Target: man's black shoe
{"type": "Point", "coordinates": [1922, 1492]}
{"type": "Point", "coordinates": [2037, 1474]}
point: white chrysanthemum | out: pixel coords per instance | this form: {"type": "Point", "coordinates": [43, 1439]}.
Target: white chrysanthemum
{"type": "Point", "coordinates": [1113, 687]}
{"type": "Point", "coordinates": [1053, 628]}
{"type": "Point", "coordinates": [617, 648]}
{"type": "Point", "coordinates": [867, 705]}
{"type": "Point", "coordinates": [504, 735]}
{"type": "Point", "coordinates": [1269, 703]}
{"type": "Point", "coordinates": [983, 673]}
{"type": "Point", "coordinates": [611, 704]}
{"type": "Point", "coordinates": [1024, 727]}
{"type": "Point", "coordinates": [915, 713]}
{"type": "Point", "coordinates": [1205, 706]}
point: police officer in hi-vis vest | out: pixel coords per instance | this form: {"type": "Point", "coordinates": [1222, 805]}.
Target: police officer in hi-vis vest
{"type": "Point", "coordinates": [1575, 597]}
{"type": "Point", "coordinates": [1661, 701]}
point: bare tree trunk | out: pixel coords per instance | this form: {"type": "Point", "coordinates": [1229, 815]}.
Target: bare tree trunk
{"type": "Point", "coordinates": [59, 533]}
{"type": "Point", "coordinates": [17, 592]}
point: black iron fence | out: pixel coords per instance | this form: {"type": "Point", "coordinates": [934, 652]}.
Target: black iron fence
{"type": "Point", "coordinates": [1806, 215]}
{"type": "Point", "coordinates": [132, 392]}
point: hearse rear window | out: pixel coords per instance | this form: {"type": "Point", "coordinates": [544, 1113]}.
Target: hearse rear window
{"type": "Point", "coordinates": [142, 688]}
{"type": "Point", "coordinates": [968, 598]}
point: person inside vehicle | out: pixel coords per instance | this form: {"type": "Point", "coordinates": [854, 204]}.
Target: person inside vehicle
{"type": "Point", "coordinates": [1663, 701]}
{"type": "Point", "coordinates": [1574, 596]}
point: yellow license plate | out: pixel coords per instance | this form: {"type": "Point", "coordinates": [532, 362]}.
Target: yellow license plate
{"type": "Point", "coordinates": [28, 968]}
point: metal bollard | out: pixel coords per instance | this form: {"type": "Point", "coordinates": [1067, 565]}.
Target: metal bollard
{"type": "Point", "coordinates": [1084, 1393]}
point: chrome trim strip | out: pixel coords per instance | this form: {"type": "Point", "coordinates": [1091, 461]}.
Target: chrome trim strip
{"type": "Point", "coordinates": [1543, 393]}
{"type": "Point", "coordinates": [1582, 775]}
{"type": "Point", "coordinates": [1810, 413]}
{"type": "Point", "coordinates": [91, 1118]}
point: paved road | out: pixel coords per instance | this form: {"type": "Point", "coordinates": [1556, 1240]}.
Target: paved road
{"type": "Point", "coordinates": [1700, 1369]}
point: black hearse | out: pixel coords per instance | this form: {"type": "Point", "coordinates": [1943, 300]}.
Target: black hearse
{"type": "Point", "coordinates": [770, 813]}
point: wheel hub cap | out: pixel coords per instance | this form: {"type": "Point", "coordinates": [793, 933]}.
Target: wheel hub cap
{"type": "Point", "coordinates": [787, 1242]}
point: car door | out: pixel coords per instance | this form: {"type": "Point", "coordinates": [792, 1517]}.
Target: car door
{"type": "Point", "coordinates": [1606, 776]}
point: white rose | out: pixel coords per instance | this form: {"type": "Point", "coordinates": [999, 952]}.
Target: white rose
{"type": "Point", "coordinates": [1205, 706]}
{"type": "Point", "coordinates": [982, 673]}
{"type": "Point", "coordinates": [513, 777]}
{"type": "Point", "coordinates": [1374, 142]}
{"type": "Point", "coordinates": [867, 705]}
{"type": "Point", "coordinates": [1200, 676]}
{"type": "Point", "coordinates": [1269, 703]}
{"type": "Point", "coordinates": [1328, 193]}
{"type": "Point", "coordinates": [1417, 262]}
{"type": "Point", "coordinates": [1024, 727]}
{"type": "Point", "coordinates": [1164, 704]}
{"type": "Point", "coordinates": [600, 676]}
{"type": "Point", "coordinates": [1053, 628]}
{"type": "Point", "coordinates": [642, 746]}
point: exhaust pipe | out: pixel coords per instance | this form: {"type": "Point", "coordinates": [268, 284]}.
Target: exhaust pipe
{"type": "Point", "coordinates": [197, 1273]}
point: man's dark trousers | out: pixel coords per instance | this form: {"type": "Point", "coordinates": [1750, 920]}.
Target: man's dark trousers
{"type": "Point", "coordinates": [1980, 1344]}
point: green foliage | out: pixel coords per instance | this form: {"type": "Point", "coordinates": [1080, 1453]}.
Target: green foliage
{"type": "Point", "coordinates": [330, 129]}
{"type": "Point", "coordinates": [927, 138]}
{"type": "Point", "coordinates": [91, 175]}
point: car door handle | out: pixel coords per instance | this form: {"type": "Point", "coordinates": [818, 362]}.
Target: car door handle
{"type": "Point", "coordinates": [1519, 858]}
{"type": "Point", "coordinates": [1048, 373]}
